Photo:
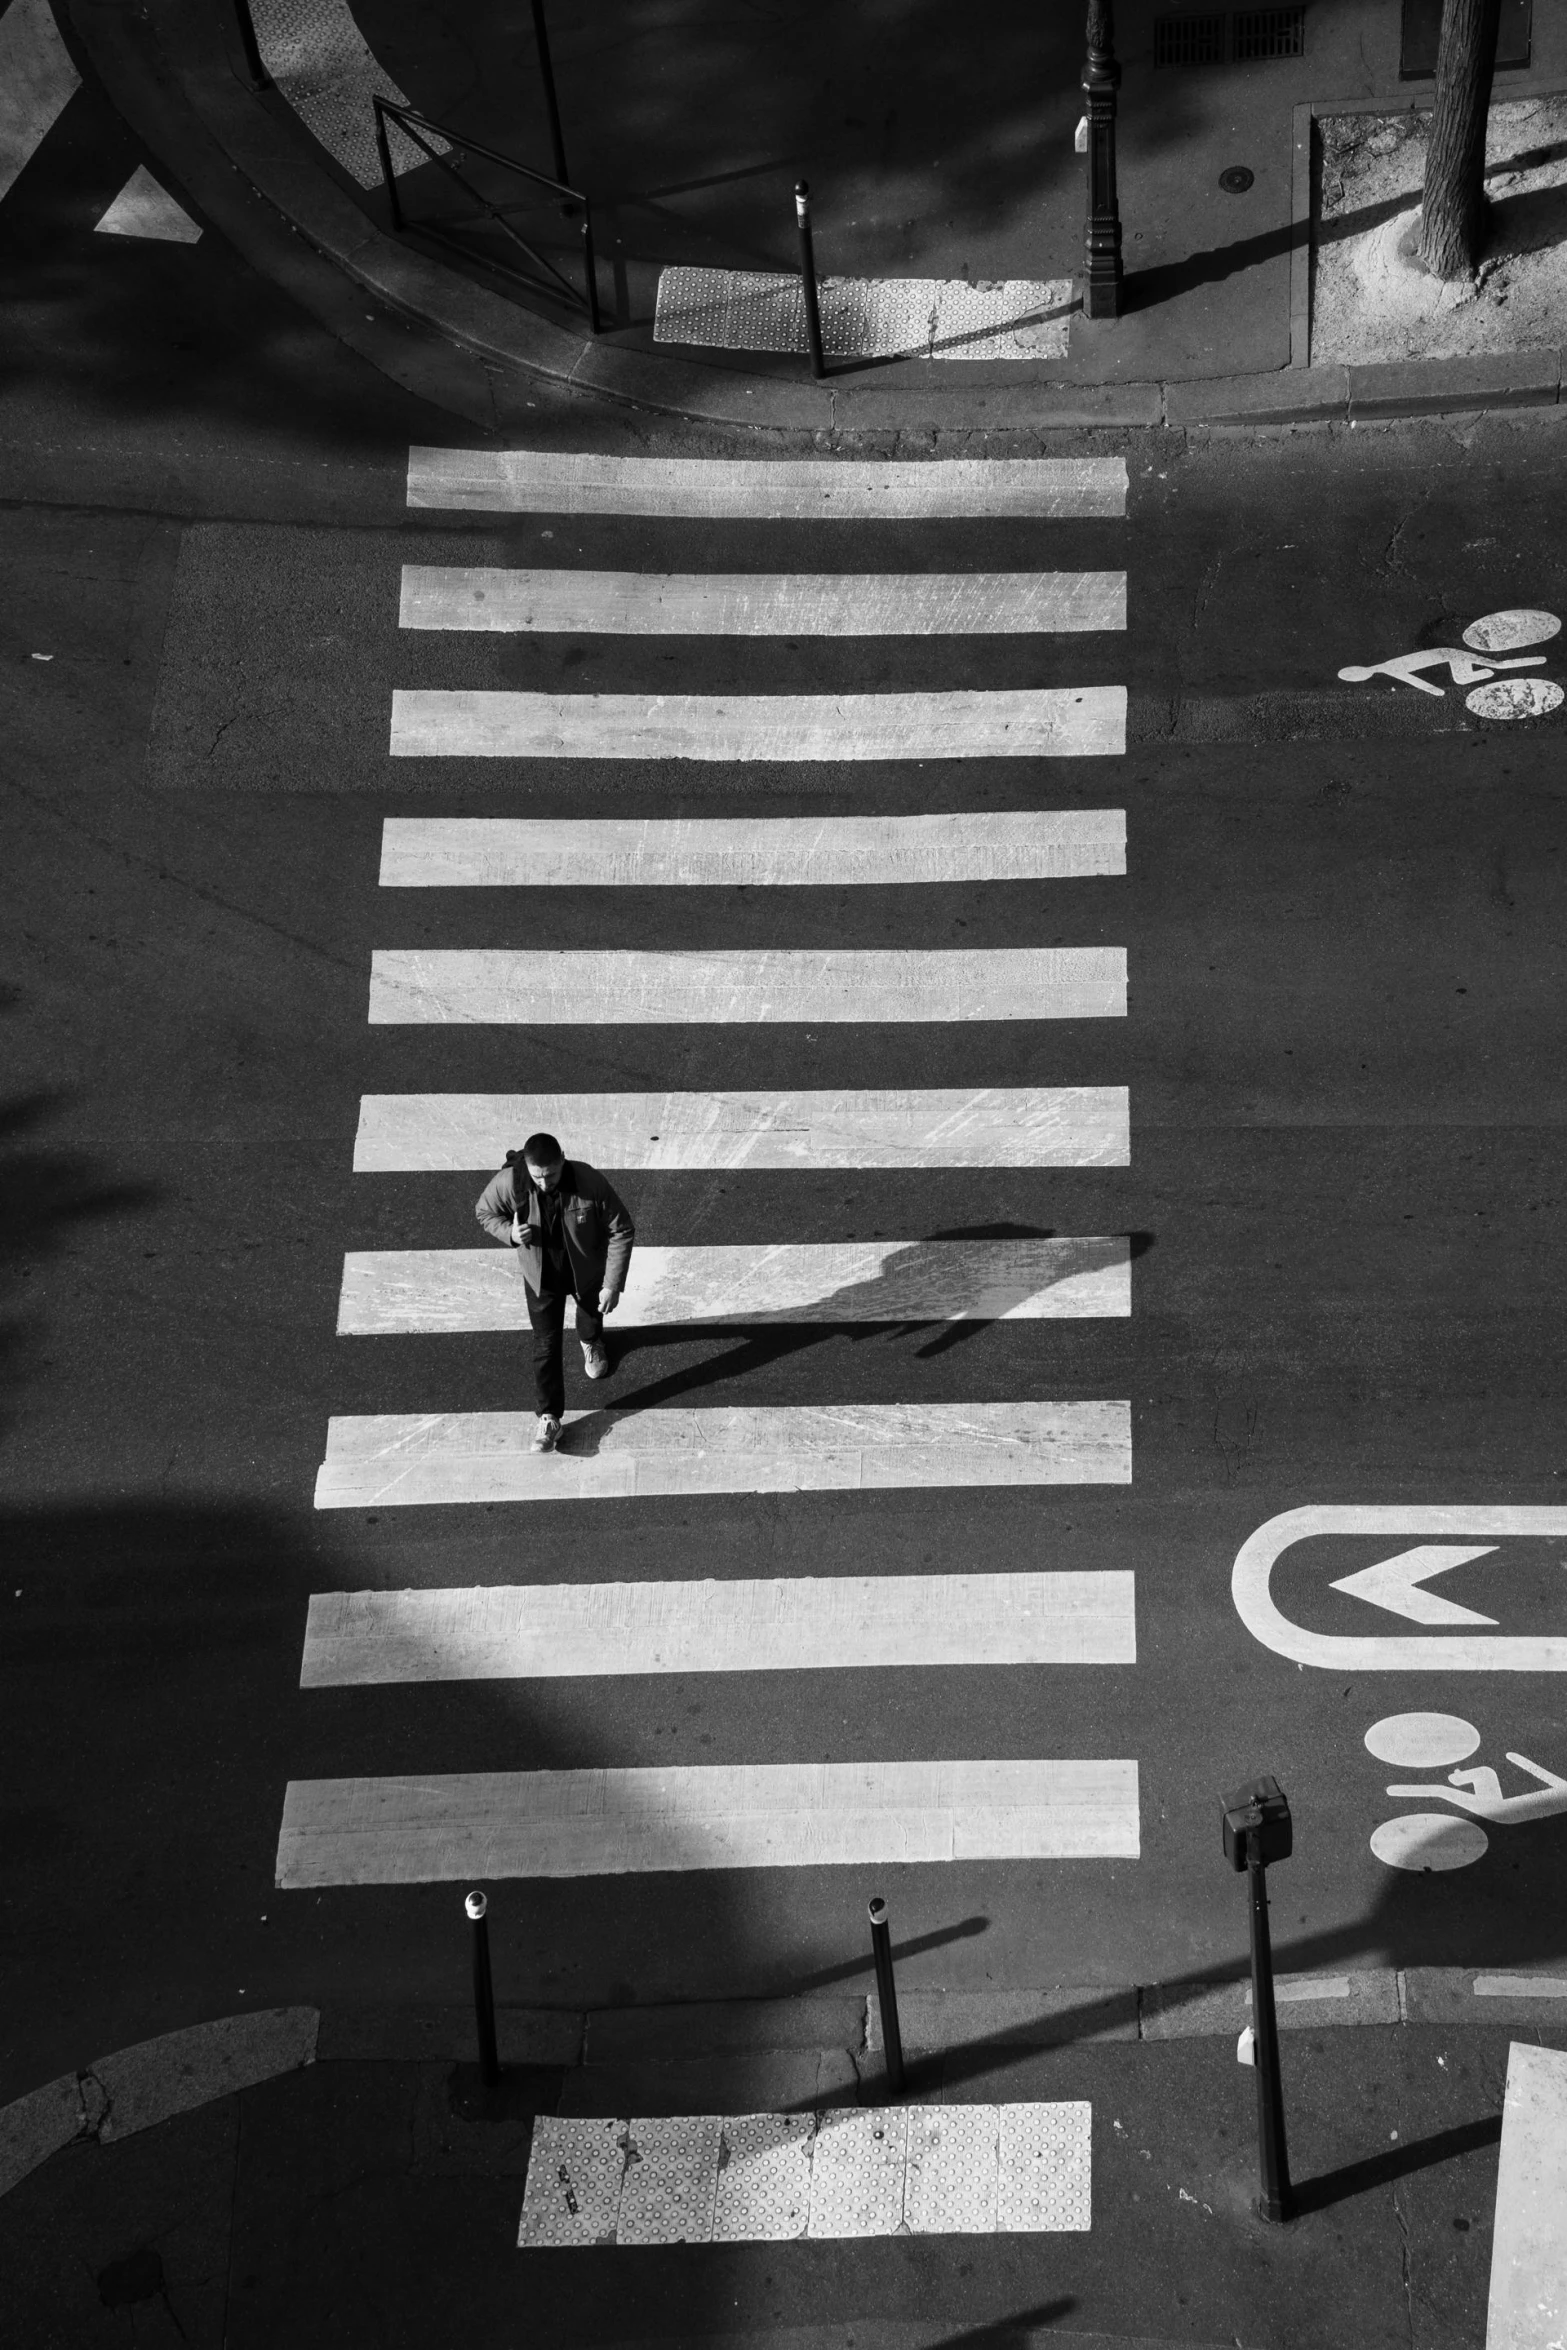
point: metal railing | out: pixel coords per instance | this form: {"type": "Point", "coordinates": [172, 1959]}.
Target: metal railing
{"type": "Point", "coordinates": [542, 277]}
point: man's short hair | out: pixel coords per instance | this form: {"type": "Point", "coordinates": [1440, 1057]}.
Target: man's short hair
{"type": "Point", "coordinates": [541, 1150]}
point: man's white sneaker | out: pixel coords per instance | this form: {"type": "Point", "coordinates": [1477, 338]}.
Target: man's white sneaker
{"type": "Point", "coordinates": [546, 1432]}
{"type": "Point", "coordinates": [595, 1358]}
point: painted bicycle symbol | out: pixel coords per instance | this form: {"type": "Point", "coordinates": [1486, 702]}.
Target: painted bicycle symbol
{"type": "Point", "coordinates": [1424, 1840]}
{"type": "Point", "coordinates": [1475, 664]}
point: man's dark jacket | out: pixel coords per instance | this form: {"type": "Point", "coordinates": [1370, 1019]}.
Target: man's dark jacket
{"type": "Point", "coordinates": [594, 1225]}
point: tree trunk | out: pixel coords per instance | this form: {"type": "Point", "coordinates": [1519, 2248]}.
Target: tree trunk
{"type": "Point", "coordinates": [1453, 208]}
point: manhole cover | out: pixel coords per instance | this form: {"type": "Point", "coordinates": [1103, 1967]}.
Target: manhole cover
{"type": "Point", "coordinates": [1236, 179]}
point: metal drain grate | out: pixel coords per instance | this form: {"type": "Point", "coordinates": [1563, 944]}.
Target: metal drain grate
{"type": "Point", "coordinates": [1188, 40]}
{"type": "Point", "coordinates": [1267, 32]}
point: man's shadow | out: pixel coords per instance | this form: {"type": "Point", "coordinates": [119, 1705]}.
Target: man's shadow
{"type": "Point", "coordinates": [861, 1311]}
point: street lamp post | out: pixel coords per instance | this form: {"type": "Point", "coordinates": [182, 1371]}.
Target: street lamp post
{"type": "Point", "coordinates": [1102, 229]}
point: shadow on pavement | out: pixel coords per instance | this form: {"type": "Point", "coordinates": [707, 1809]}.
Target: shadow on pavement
{"type": "Point", "coordinates": [913, 1948]}
{"type": "Point", "coordinates": [1002, 2332]}
{"type": "Point", "coordinates": [46, 1196]}
{"type": "Point", "coordinates": [1395, 2162]}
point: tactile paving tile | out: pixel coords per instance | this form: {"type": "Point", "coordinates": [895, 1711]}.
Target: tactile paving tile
{"type": "Point", "coordinates": [671, 2180]}
{"type": "Point", "coordinates": [1045, 2181]}
{"type": "Point", "coordinates": [572, 2195]}
{"type": "Point", "coordinates": [318, 58]}
{"type": "Point", "coordinates": [951, 2183]}
{"type": "Point", "coordinates": [866, 318]}
{"type": "Point", "coordinates": [764, 2178]}
{"type": "Point", "coordinates": [770, 2177]}
{"type": "Point", "coordinates": [857, 2172]}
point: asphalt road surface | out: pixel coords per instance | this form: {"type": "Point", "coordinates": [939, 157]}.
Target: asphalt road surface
{"type": "Point", "coordinates": [1343, 941]}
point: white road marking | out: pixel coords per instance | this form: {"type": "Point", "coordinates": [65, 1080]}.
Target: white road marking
{"type": "Point", "coordinates": [1452, 1652]}
{"type": "Point", "coordinates": [1409, 668]}
{"type": "Point", "coordinates": [1528, 2299]}
{"type": "Point", "coordinates": [1398, 1584]}
{"type": "Point", "coordinates": [37, 81]}
{"type": "Point", "coordinates": [1429, 1842]}
{"type": "Point", "coordinates": [411, 1460]}
{"type": "Point", "coordinates": [1299, 1988]}
{"type": "Point", "coordinates": [1504, 632]}
{"type": "Point", "coordinates": [1422, 1741]}
{"type": "Point", "coordinates": [773, 2177]}
{"type": "Point", "coordinates": [1515, 697]}
{"type": "Point", "coordinates": [620, 987]}
{"type": "Point", "coordinates": [323, 69]}
{"type": "Point", "coordinates": [865, 317]}
{"type": "Point", "coordinates": [1520, 1987]}
{"type": "Point", "coordinates": [425, 1292]}
{"type": "Point", "coordinates": [760, 852]}
{"type": "Point", "coordinates": [481, 1825]}
{"type": "Point", "coordinates": [510, 1632]}
{"type": "Point", "coordinates": [535, 481]}
{"type": "Point", "coordinates": [986, 1126]}
{"type": "Point", "coordinates": [1043, 722]}
{"type": "Point", "coordinates": [765, 603]}
{"type": "Point", "coordinates": [144, 209]}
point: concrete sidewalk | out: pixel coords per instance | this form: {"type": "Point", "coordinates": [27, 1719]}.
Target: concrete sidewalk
{"type": "Point", "coordinates": [945, 157]}
{"type": "Point", "coordinates": [373, 2195]}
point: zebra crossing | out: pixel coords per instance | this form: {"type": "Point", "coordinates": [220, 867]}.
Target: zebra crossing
{"type": "Point", "coordinates": [799, 1812]}
{"type": "Point", "coordinates": [707, 1133]}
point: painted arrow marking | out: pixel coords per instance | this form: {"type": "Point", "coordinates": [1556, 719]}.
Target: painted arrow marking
{"type": "Point", "coordinates": [1467, 1651]}
{"type": "Point", "coordinates": [1396, 1583]}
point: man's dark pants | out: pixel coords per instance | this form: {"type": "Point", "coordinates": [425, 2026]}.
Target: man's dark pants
{"type": "Point", "coordinates": [548, 1317]}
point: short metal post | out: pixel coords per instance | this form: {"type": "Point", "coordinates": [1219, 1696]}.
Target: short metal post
{"type": "Point", "coordinates": [1273, 2155]}
{"type": "Point", "coordinates": [547, 75]}
{"type": "Point", "coordinates": [589, 268]}
{"type": "Point", "coordinates": [1102, 228]}
{"type": "Point", "coordinates": [813, 316]}
{"type": "Point", "coordinates": [483, 1990]}
{"type": "Point", "coordinates": [260, 79]}
{"type": "Point", "coordinates": [887, 1996]}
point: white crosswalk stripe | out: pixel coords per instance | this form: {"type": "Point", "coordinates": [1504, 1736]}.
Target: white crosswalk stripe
{"type": "Point", "coordinates": [787, 603]}
{"type": "Point", "coordinates": [505, 1632]}
{"type": "Point", "coordinates": [759, 852]}
{"type": "Point", "coordinates": [1060, 722]}
{"type": "Point", "coordinates": [536, 481]}
{"type": "Point", "coordinates": [621, 988]}
{"type": "Point", "coordinates": [792, 1813]}
{"type": "Point", "coordinates": [475, 1825]}
{"type": "Point", "coordinates": [390, 1292]}
{"type": "Point", "coordinates": [956, 1126]}
{"type": "Point", "coordinates": [406, 1460]}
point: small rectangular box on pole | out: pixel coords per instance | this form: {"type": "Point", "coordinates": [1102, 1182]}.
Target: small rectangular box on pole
{"type": "Point", "coordinates": [1257, 1830]}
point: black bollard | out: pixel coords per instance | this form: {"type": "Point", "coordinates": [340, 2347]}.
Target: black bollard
{"type": "Point", "coordinates": [483, 1990]}
{"type": "Point", "coordinates": [813, 315]}
{"type": "Point", "coordinates": [1102, 278]}
{"type": "Point", "coordinates": [1257, 1830]}
{"type": "Point", "coordinates": [887, 1997]}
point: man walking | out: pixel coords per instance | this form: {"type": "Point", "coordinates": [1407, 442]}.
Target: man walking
{"type": "Point", "coordinates": [574, 1239]}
